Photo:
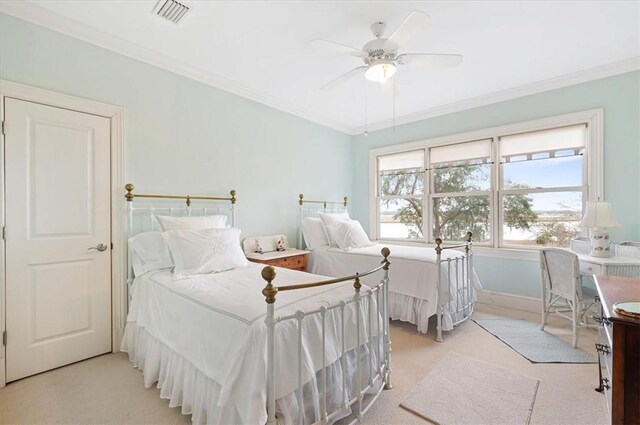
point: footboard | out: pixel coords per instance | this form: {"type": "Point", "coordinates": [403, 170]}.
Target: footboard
{"type": "Point", "coordinates": [372, 347]}
{"type": "Point", "coordinates": [456, 294]}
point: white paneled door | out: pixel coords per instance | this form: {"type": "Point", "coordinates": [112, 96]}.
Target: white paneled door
{"type": "Point", "coordinates": [58, 256]}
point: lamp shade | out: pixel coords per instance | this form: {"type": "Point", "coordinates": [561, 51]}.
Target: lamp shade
{"type": "Point", "coordinates": [380, 71]}
{"type": "Point", "coordinates": [599, 214]}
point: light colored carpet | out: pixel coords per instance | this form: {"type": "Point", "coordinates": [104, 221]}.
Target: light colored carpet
{"type": "Point", "coordinates": [108, 390]}
{"type": "Point", "coordinates": [533, 343]}
{"type": "Point", "coordinates": [461, 390]}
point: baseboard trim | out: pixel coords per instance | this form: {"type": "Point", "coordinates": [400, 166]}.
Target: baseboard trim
{"type": "Point", "coordinates": [514, 302]}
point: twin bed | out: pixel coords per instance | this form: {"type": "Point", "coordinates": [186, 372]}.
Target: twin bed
{"type": "Point", "coordinates": [255, 345]}
{"type": "Point", "coordinates": [425, 281]}
{"type": "Point", "coordinates": [215, 342]}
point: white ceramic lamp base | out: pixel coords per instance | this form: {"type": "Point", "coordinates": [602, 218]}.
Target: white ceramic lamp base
{"type": "Point", "coordinates": [599, 243]}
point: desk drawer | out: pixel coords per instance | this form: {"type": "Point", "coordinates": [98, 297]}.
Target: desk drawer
{"type": "Point", "coordinates": [590, 268]}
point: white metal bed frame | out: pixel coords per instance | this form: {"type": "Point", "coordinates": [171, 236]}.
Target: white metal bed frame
{"type": "Point", "coordinates": [381, 346]}
{"type": "Point", "coordinates": [152, 212]}
{"type": "Point", "coordinates": [461, 299]}
{"type": "Point", "coordinates": [378, 373]}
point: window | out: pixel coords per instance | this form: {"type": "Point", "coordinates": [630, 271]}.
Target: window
{"type": "Point", "coordinates": [461, 190]}
{"type": "Point", "coordinates": [541, 186]}
{"type": "Point", "coordinates": [518, 186]}
{"type": "Point", "coordinates": [400, 195]}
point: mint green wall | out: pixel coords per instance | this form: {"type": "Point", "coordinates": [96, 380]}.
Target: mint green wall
{"type": "Point", "coordinates": [619, 96]}
{"type": "Point", "coordinates": [186, 136]}
{"type": "Point", "coordinates": [183, 136]}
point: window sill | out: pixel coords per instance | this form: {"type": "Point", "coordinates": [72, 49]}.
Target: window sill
{"type": "Point", "coordinates": [480, 251]}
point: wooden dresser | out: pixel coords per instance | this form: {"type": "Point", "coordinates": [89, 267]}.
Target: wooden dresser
{"type": "Point", "coordinates": [619, 350]}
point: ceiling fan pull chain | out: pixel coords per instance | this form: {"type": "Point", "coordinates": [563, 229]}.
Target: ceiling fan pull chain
{"type": "Point", "coordinates": [393, 82]}
{"type": "Point", "coordinates": [366, 108]}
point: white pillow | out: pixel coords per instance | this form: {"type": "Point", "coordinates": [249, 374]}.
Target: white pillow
{"type": "Point", "coordinates": [313, 232]}
{"type": "Point", "coordinates": [205, 251]}
{"type": "Point", "coordinates": [330, 218]}
{"type": "Point", "coordinates": [149, 251]}
{"type": "Point", "coordinates": [349, 234]}
{"type": "Point", "coordinates": [192, 223]}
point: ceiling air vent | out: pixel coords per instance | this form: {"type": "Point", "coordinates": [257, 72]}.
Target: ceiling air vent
{"type": "Point", "coordinates": [171, 10]}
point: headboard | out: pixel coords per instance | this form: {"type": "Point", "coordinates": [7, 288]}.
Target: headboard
{"type": "Point", "coordinates": [327, 207]}
{"type": "Point", "coordinates": [143, 218]}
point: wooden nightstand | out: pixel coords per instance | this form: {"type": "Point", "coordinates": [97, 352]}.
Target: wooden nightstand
{"type": "Point", "coordinates": [294, 259]}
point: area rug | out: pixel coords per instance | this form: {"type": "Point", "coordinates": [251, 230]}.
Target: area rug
{"type": "Point", "coordinates": [535, 345]}
{"type": "Point", "coordinates": [464, 391]}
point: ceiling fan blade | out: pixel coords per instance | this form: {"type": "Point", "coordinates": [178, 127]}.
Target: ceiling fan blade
{"type": "Point", "coordinates": [429, 59]}
{"type": "Point", "coordinates": [343, 78]}
{"type": "Point", "coordinates": [413, 23]}
{"type": "Point", "coordinates": [330, 46]}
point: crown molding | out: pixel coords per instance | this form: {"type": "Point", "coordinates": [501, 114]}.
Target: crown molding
{"type": "Point", "coordinates": [596, 73]}
{"type": "Point", "coordinates": [53, 21]}
{"type": "Point", "coordinates": [45, 18]}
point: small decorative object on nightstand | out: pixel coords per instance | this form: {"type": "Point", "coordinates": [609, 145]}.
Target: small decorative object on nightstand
{"type": "Point", "coordinates": [598, 217]}
{"type": "Point", "coordinates": [280, 245]}
{"type": "Point", "coordinates": [276, 252]}
{"type": "Point", "coordinates": [258, 249]}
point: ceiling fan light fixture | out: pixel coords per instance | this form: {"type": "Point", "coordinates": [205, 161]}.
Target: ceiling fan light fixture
{"type": "Point", "coordinates": [380, 71]}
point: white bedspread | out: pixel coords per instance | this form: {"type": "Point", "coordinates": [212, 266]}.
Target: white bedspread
{"type": "Point", "coordinates": [216, 322]}
{"type": "Point", "coordinates": [412, 275]}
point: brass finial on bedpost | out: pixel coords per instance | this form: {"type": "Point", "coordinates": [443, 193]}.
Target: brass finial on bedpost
{"type": "Point", "coordinates": [269, 291]}
{"type": "Point", "coordinates": [301, 201]}
{"type": "Point", "coordinates": [129, 188]}
{"type": "Point", "coordinates": [356, 283]}
{"type": "Point", "coordinates": [438, 247]}
{"type": "Point", "coordinates": [467, 248]}
{"type": "Point", "coordinates": [233, 196]}
{"type": "Point", "coordinates": [346, 201]}
{"type": "Point", "coordinates": [385, 253]}
{"type": "Point", "coordinates": [188, 200]}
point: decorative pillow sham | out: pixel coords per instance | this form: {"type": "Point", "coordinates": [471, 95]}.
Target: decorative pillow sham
{"type": "Point", "coordinates": [205, 251]}
{"type": "Point", "coordinates": [330, 218]}
{"type": "Point", "coordinates": [149, 251]}
{"type": "Point", "coordinates": [313, 233]}
{"type": "Point", "coordinates": [192, 223]}
{"type": "Point", "coordinates": [349, 234]}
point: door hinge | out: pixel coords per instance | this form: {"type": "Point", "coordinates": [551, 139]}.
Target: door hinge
{"type": "Point", "coordinates": [4, 338]}
{"type": "Point", "coordinates": [111, 245]}
{"type": "Point", "coordinates": [4, 127]}
{"type": "Point", "coordinates": [4, 233]}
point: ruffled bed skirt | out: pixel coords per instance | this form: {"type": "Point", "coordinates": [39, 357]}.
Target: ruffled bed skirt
{"type": "Point", "coordinates": [418, 311]}
{"type": "Point", "coordinates": [184, 385]}
{"type": "Point", "coordinates": [410, 309]}
{"type": "Point", "coordinates": [178, 380]}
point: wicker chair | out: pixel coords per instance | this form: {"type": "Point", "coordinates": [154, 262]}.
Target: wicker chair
{"type": "Point", "coordinates": [562, 290]}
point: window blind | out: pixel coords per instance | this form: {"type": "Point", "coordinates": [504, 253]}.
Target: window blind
{"type": "Point", "coordinates": [480, 149]}
{"type": "Point", "coordinates": [401, 161]}
{"type": "Point", "coordinates": [553, 140]}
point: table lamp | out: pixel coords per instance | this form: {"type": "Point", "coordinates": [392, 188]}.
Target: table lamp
{"type": "Point", "coordinates": [597, 218]}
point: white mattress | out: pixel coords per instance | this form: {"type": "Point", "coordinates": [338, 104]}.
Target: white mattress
{"type": "Point", "coordinates": [412, 274]}
{"type": "Point", "coordinates": [216, 322]}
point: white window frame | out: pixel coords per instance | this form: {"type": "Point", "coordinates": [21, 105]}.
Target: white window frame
{"type": "Point", "coordinates": [593, 167]}
{"type": "Point", "coordinates": [381, 197]}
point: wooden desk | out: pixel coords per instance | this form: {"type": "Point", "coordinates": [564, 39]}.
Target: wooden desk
{"type": "Point", "coordinates": [612, 266]}
{"type": "Point", "coordinates": [619, 350]}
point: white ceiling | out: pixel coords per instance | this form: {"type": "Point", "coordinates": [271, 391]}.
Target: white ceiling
{"type": "Point", "coordinates": [259, 49]}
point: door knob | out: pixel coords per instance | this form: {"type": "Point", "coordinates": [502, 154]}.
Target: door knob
{"type": "Point", "coordinates": [101, 247]}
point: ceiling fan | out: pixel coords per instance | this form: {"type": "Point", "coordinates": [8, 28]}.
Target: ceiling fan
{"type": "Point", "coordinates": [380, 55]}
